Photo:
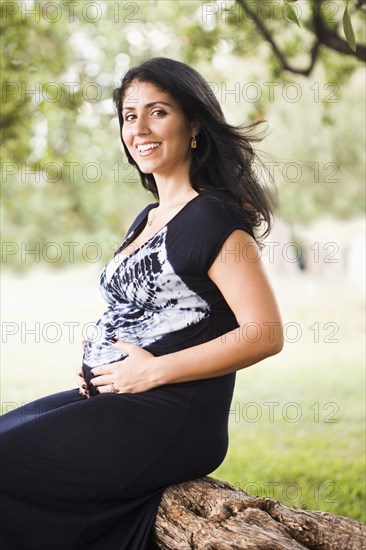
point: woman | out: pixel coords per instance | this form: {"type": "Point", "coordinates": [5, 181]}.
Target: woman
{"type": "Point", "coordinates": [188, 305]}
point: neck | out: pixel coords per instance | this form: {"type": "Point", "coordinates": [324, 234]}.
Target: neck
{"type": "Point", "coordinates": [171, 188]}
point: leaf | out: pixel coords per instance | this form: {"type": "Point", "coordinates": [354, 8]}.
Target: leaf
{"type": "Point", "coordinates": [348, 30]}
{"type": "Point", "coordinates": [291, 14]}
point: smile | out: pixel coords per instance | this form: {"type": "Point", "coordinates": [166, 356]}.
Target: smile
{"type": "Point", "coordinates": [147, 146]}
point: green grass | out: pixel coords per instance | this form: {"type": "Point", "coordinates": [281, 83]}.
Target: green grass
{"type": "Point", "coordinates": [307, 449]}
{"type": "Point", "coordinates": [312, 463]}
{"type": "Point", "coordinates": [308, 454]}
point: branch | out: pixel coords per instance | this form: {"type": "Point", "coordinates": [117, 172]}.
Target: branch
{"type": "Point", "coordinates": [207, 514]}
{"type": "Point", "coordinates": [330, 38]}
{"type": "Point", "coordinates": [285, 65]}
{"type": "Point", "coordinates": [324, 36]}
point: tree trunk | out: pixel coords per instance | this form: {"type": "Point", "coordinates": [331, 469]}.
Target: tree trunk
{"type": "Point", "coordinates": [208, 514]}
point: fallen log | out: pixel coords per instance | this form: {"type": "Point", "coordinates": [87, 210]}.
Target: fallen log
{"type": "Point", "coordinates": [208, 514]}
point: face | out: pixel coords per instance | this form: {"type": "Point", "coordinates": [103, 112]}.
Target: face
{"type": "Point", "coordinates": [155, 130]}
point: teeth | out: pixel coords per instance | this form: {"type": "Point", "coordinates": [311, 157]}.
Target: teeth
{"type": "Point", "coordinates": [147, 146]}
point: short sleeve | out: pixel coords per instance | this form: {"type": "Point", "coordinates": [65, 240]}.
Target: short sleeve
{"type": "Point", "coordinates": [214, 221]}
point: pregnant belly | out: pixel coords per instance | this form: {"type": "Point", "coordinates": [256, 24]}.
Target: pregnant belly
{"type": "Point", "coordinates": [142, 326]}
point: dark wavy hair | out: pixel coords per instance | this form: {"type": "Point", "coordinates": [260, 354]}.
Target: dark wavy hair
{"type": "Point", "coordinates": [223, 161]}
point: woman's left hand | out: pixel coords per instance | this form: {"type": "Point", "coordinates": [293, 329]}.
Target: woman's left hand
{"type": "Point", "coordinates": [131, 375]}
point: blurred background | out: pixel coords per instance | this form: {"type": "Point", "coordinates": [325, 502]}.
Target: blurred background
{"type": "Point", "coordinates": [297, 423]}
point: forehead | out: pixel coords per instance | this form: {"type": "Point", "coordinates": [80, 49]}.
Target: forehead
{"type": "Point", "coordinates": [145, 92]}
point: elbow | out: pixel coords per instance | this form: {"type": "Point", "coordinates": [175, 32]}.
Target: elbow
{"type": "Point", "coordinates": [276, 339]}
{"type": "Point", "coordinates": [267, 349]}
{"type": "Point", "coordinates": [275, 346]}
{"type": "Point", "coordinates": [269, 343]}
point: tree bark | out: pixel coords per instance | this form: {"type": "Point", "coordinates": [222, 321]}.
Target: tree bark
{"type": "Point", "coordinates": [208, 514]}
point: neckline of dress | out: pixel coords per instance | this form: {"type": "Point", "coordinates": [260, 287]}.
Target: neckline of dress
{"type": "Point", "coordinates": [124, 256]}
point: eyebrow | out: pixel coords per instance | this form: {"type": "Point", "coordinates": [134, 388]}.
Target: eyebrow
{"type": "Point", "coordinates": [148, 105]}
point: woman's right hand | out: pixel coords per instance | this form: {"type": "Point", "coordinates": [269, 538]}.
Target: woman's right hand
{"type": "Point", "coordinates": [80, 377]}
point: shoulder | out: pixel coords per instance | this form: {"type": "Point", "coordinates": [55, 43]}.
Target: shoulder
{"type": "Point", "coordinates": [211, 221]}
{"type": "Point", "coordinates": [219, 214]}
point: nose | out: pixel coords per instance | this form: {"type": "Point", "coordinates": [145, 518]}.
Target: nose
{"type": "Point", "coordinates": [141, 126]}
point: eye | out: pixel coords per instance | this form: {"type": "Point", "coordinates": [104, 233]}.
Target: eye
{"type": "Point", "coordinates": [129, 117]}
{"type": "Point", "coordinates": [158, 112]}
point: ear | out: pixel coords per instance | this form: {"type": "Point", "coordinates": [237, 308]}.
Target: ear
{"type": "Point", "coordinates": [195, 127]}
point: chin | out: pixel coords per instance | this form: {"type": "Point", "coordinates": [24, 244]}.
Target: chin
{"type": "Point", "coordinates": [146, 169]}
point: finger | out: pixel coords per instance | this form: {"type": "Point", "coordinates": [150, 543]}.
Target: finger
{"type": "Point", "coordinates": [104, 389]}
{"type": "Point", "coordinates": [80, 378]}
{"type": "Point", "coordinates": [82, 384]}
{"type": "Point", "coordinates": [103, 369]}
{"type": "Point", "coordinates": [79, 373]}
{"type": "Point", "coordinates": [83, 392]}
{"type": "Point", "coordinates": [124, 346]}
{"type": "Point", "coordinates": [100, 381]}
{"type": "Point", "coordinates": [108, 388]}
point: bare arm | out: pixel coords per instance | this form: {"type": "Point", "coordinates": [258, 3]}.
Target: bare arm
{"type": "Point", "coordinates": [245, 287]}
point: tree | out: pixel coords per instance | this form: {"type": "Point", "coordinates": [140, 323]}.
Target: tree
{"type": "Point", "coordinates": [60, 139]}
{"type": "Point", "coordinates": [272, 21]}
{"type": "Point", "coordinates": [324, 28]}
{"type": "Point", "coordinates": [210, 514]}
{"type": "Point", "coordinates": [33, 63]}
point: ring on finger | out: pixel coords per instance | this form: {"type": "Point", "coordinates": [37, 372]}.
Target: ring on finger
{"type": "Point", "coordinates": [112, 388]}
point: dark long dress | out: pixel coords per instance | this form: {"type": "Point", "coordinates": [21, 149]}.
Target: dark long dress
{"type": "Point", "coordinates": [79, 473]}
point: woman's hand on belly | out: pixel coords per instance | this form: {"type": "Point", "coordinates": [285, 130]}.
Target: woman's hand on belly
{"type": "Point", "coordinates": [133, 374]}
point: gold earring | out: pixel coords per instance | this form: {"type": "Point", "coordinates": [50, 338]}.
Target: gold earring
{"type": "Point", "coordinates": [193, 142]}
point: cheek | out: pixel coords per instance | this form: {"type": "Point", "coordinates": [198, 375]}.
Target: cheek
{"type": "Point", "coordinates": [126, 136]}
{"type": "Point", "coordinates": [178, 139]}
{"type": "Point", "coordinates": [128, 144]}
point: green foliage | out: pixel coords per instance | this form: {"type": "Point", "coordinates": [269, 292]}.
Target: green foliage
{"type": "Point", "coordinates": [348, 30]}
{"type": "Point", "coordinates": [291, 13]}
{"type": "Point", "coordinates": [27, 71]}
{"type": "Point", "coordinates": [328, 172]}
{"type": "Point", "coordinates": [64, 173]}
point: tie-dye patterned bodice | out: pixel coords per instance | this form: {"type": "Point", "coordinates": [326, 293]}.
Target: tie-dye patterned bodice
{"type": "Point", "coordinates": [160, 296]}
